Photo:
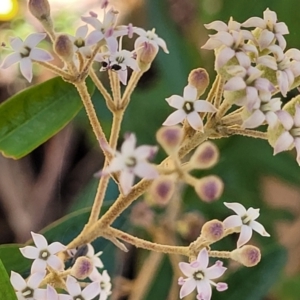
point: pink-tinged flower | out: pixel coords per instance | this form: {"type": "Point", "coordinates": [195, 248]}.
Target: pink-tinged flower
{"type": "Point", "coordinates": [50, 294]}
{"type": "Point", "coordinates": [291, 136]}
{"type": "Point", "coordinates": [244, 222]}
{"type": "Point", "coordinates": [97, 263]}
{"type": "Point", "coordinates": [27, 290]}
{"type": "Point", "coordinates": [271, 30]}
{"type": "Point", "coordinates": [221, 26]}
{"type": "Point", "coordinates": [188, 107]}
{"type": "Point", "coordinates": [43, 254]}
{"type": "Point", "coordinates": [131, 161]}
{"type": "Point", "coordinates": [266, 112]}
{"type": "Point", "coordinates": [117, 60]}
{"type": "Point", "coordinates": [149, 37]}
{"type": "Point", "coordinates": [199, 276]}
{"type": "Point", "coordinates": [25, 53]}
{"type": "Point", "coordinates": [88, 293]}
{"type": "Point", "coordinates": [105, 284]}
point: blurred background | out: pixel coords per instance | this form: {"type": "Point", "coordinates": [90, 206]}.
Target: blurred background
{"type": "Point", "coordinates": [55, 183]}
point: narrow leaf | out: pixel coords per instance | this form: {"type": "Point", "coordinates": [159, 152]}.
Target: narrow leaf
{"type": "Point", "coordinates": [6, 290]}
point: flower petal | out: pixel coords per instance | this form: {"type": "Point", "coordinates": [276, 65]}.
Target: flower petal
{"type": "Point", "coordinates": [232, 222]}
{"type": "Point", "coordinates": [236, 207]}
{"type": "Point", "coordinates": [195, 121]}
{"type": "Point", "coordinates": [126, 181]}
{"type": "Point", "coordinates": [215, 271]}
{"type": "Point", "coordinates": [258, 228]}
{"type": "Point", "coordinates": [176, 101]}
{"type": "Point", "coordinates": [91, 291]}
{"type": "Point", "coordinates": [40, 55]}
{"type": "Point", "coordinates": [283, 143]}
{"type": "Point", "coordinates": [39, 265]}
{"type": "Point", "coordinates": [17, 281]}
{"type": "Point", "coordinates": [145, 170]}
{"type": "Point", "coordinates": [245, 235]}
{"type": "Point", "coordinates": [39, 240]}
{"type": "Point", "coordinates": [11, 59]}
{"type": "Point", "coordinates": [204, 106]}
{"type": "Point", "coordinates": [26, 68]}
{"type": "Point", "coordinates": [33, 39]}
{"type": "Point", "coordinates": [187, 287]}
{"type": "Point", "coordinates": [73, 286]}
{"type": "Point", "coordinates": [30, 252]}
{"type": "Point", "coordinates": [190, 93]}
{"type": "Point", "coordinates": [175, 118]}
{"type": "Point", "coordinates": [56, 247]}
{"type": "Point", "coordinates": [186, 269]}
{"type": "Point", "coordinates": [55, 263]}
{"type": "Point", "coordinates": [35, 279]}
{"type": "Point", "coordinates": [203, 259]}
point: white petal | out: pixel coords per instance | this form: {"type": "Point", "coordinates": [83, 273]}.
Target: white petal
{"type": "Point", "coordinates": [17, 281]}
{"type": "Point", "coordinates": [255, 22]}
{"type": "Point", "coordinates": [245, 235]}
{"type": "Point", "coordinates": [187, 287]}
{"type": "Point", "coordinates": [145, 152]}
{"type": "Point", "coordinates": [30, 252]}
{"type": "Point", "coordinates": [26, 68]}
{"type": "Point", "coordinates": [122, 74]}
{"type": "Point", "coordinates": [94, 37]}
{"type": "Point", "coordinates": [56, 247]}
{"type": "Point", "coordinates": [232, 222]}
{"type": "Point", "coordinates": [175, 118]}
{"type": "Point", "coordinates": [162, 44]}
{"type": "Point", "coordinates": [203, 259]}
{"type": "Point", "coordinates": [255, 120]}
{"type": "Point", "coordinates": [91, 291]}
{"type": "Point", "coordinates": [236, 207]}
{"type": "Point", "coordinates": [215, 271]}
{"type": "Point", "coordinates": [286, 119]}
{"type": "Point", "coordinates": [204, 289]}
{"type": "Point", "coordinates": [258, 228]}
{"type": "Point", "coordinates": [281, 28]}
{"type": "Point", "coordinates": [212, 44]}
{"type": "Point", "coordinates": [283, 143]}
{"type": "Point", "coordinates": [186, 269]}
{"type": "Point", "coordinates": [35, 279]}
{"type": "Point", "coordinates": [82, 31]}
{"type": "Point", "coordinates": [195, 121]}
{"type": "Point", "coordinates": [40, 55]}
{"type": "Point", "coordinates": [265, 39]}
{"type": "Point", "coordinates": [297, 146]}
{"type": "Point", "coordinates": [204, 106]}
{"type": "Point", "coordinates": [190, 93]}
{"type": "Point", "coordinates": [39, 240]}
{"type": "Point", "coordinates": [17, 44]}
{"type": "Point", "coordinates": [271, 118]}
{"type": "Point", "coordinates": [235, 84]}
{"type": "Point", "coordinates": [224, 56]}
{"type": "Point", "coordinates": [39, 265]}
{"type": "Point", "coordinates": [175, 101]}
{"type": "Point", "coordinates": [33, 39]}
{"type": "Point", "coordinates": [11, 59]}
{"type": "Point", "coordinates": [128, 145]}
{"type": "Point", "coordinates": [126, 181]}
{"type": "Point", "coordinates": [282, 82]}
{"type": "Point", "coordinates": [73, 286]}
{"type": "Point", "coordinates": [267, 61]}
{"type": "Point", "coordinates": [145, 170]}
{"type": "Point", "coordinates": [92, 21]}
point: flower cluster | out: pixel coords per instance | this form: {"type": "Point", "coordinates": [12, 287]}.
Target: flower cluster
{"type": "Point", "coordinates": [85, 263]}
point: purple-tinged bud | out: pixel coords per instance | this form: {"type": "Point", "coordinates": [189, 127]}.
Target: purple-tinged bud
{"type": "Point", "coordinates": [213, 231]}
{"type": "Point", "coordinates": [63, 47]}
{"type": "Point", "coordinates": [247, 255]}
{"type": "Point", "coordinates": [162, 190]}
{"type": "Point", "coordinates": [205, 156]}
{"type": "Point", "coordinates": [209, 188]}
{"type": "Point", "coordinates": [199, 78]}
{"type": "Point", "coordinates": [41, 10]}
{"type": "Point", "coordinates": [82, 268]}
{"type": "Point", "coordinates": [170, 138]}
{"type": "Point", "coordinates": [142, 215]}
{"type": "Point", "coordinates": [146, 53]}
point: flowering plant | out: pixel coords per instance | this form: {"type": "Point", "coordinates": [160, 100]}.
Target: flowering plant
{"type": "Point", "coordinates": [253, 68]}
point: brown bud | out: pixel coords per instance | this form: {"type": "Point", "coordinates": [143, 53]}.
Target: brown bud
{"type": "Point", "coordinates": [170, 138]}
{"type": "Point", "coordinates": [63, 46]}
{"type": "Point", "coordinates": [213, 230]}
{"type": "Point", "coordinates": [82, 268]}
{"type": "Point", "coordinates": [41, 10]}
{"type": "Point", "coordinates": [146, 53]}
{"type": "Point", "coordinates": [162, 190]}
{"type": "Point", "coordinates": [205, 156]}
{"type": "Point", "coordinates": [141, 215]}
{"type": "Point", "coordinates": [247, 255]}
{"type": "Point", "coordinates": [199, 78]}
{"type": "Point", "coordinates": [209, 188]}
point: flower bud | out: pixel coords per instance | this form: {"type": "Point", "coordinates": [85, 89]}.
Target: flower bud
{"type": "Point", "coordinates": [213, 230]}
{"type": "Point", "coordinates": [64, 48]}
{"type": "Point", "coordinates": [41, 10]}
{"type": "Point", "coordinates": [199, 78]}
{"type": "Point", "coordinates": [146, 53]}
{"type": "Point", "coordinates": [162, 190]}
{"type": "Point", "coordinates": [205, 156]}
{"type": "Point", "coordinates": [247, 255]}
{"type": "Point", "coordinates": [82, 268]}
{"type": "Point", "coordinates": [170, 138]}
{"type": "Point", "coordinates": [209, 188]}
{"type": "Point", "coordinates": [141, 215]}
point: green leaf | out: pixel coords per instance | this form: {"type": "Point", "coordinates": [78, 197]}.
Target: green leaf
{"type": "Point", "coordinates": [6, 290]}
{"type": "Point", "coordinates": [13, 260]}
{"type": "Point", "coordinates": [34, 115]}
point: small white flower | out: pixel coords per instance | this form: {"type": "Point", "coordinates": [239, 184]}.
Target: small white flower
{"type": "Point", "coordinates": [104, 282]}
{"type": "Point", "coordinates": [27, 290]}
{"type": "Point", "coordinates": [244, 222]}
{"type": "Point", "coordinates": [131, 161]}
{"type": "Point", "coordinates": [188, 107]}
{"type": "Point", "coordinates": [43, 254]}
{"type": "Point", "coordinates": [97, 263]}
{"type": "Point", "coordinates": [88, 293]}
{"type": "Point", "coordinates": [25, 53]}
{"type": "Point", "coordinates": [149, 37]}
{"type": "Point", "coordinates": [50, 294]}
{"type": "Point", "coordinates": [199, 276]}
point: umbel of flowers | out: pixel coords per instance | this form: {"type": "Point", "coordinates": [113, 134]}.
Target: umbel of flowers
{"type": "Point", "coordinates": [253, 68]}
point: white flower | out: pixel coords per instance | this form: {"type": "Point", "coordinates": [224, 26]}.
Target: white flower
{"type": "Point", "coordinates": [131, 161]}
{"type": "Point", "coordinates": [88, 293]}
{"type": "Point", "coordinates": [43, 254]}
{"type": "Point", "coordinates": [97, 263]}
{"type": "Point", "coordinates": [104, 282]}
{"type": "Point", "coordinates": [271, 30]}
{"type": "Point", "coordinates": [291, 136]}
{"type": "Point", "coordinates": [149, 37]}
{"type": "Point", "coordinates": [244, 222]}
{"type": "Point", "coordinates": [117, 60]}
{"type": "Point", "coordinates": [27, 290]}
{"type": "Point", "coordinates": [25, 53]}
{"type": "Point", "coordinates": [51, 294]}
{"type": "Point", "coordinates": [199, 276]}
{"type": "Point", "coordinates": [188, 107]}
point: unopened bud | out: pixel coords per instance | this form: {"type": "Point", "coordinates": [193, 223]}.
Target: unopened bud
{"type": "Point", "coordinates": [64, 47]}
{"type": "Point", "coordinates": [209, 188]}
{"type": "Point", "coordinates": [146, 52]}
{"type": "Point", "coordinates": [170, 138]}
{"type": "Point", "coordinates": [199, 78]}
{"type": "Point", "coordinates": [41, 10]}
{"type": "Point", "coordinates": [82, 268]}
{"type": "Point", "coordinates": [205, 156]}
{"type": "Point", "coordinates": [213, 230]}
{"type": "Point", "coordinates": [162, 190]}
{"type": "Point", "coordinates": [142, 215]}
{"type": "Point", "coordinates": [247, 255]}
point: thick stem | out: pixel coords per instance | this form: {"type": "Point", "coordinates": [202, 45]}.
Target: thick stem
{"type": "Point", "coordinates": [135, 77]}
{"type": "Point", "coordinates": [247, 132]}
{"type": "Point", "coordinates": [115, 87]}
{"type": "Point", "coordinates": [55, 70]}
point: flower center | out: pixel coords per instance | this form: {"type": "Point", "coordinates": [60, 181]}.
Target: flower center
{"type": "Point", "coordinates": [27, 292]}
{"type": "Point", "coordinates": [44, 254]}
{"type": "Point", "coordinates": [130, 161]}
{"type": "Point", "coordinates": [102, 285]}
{"type": "Point", "coordinates": [79, 297]}
{"type": "Point", "coordinates": [188, 107]}
{"type": "Point", "coordinates": [295, 132]}
{"type": "Point", "coordinates": [199, 275]}
{"type": "Point", "coordinates": [246, 219]}
{"type": "Point", "coordinates": [79, 43]}
{"type": "Point", "coordinates": [25, 52]}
